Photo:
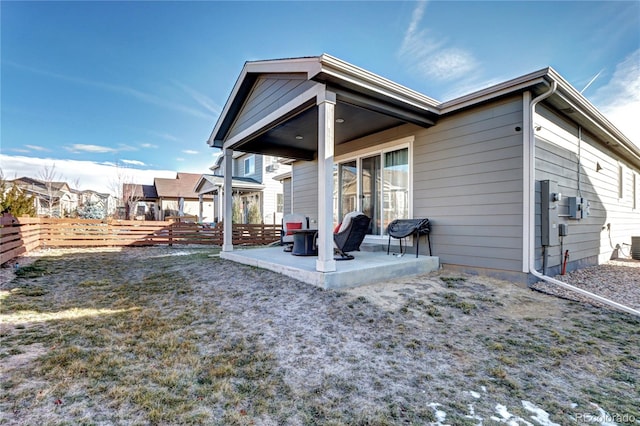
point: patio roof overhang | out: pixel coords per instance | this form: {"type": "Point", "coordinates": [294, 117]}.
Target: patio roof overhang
{"type": "Point", "coordinates": [365, 104]}
{"type": "Point", "coordinates": [210, 184]}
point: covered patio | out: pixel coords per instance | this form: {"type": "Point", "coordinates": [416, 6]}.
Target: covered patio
{"type": "Point", "coordinates": [368, 267]}
{"type": "Point", "coordinates": [308, 110]}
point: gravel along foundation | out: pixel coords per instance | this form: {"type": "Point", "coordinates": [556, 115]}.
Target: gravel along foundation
{"type": "Point", "coordinates": [179, 336]}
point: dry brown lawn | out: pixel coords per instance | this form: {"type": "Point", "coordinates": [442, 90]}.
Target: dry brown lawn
{"type": "Point", "coordinates": [175, 336]}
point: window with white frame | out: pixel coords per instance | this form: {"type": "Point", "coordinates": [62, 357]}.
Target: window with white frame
{"type": "Point", "coordinates": [279, 203]}
{"type": "Point", "coordinates": [250, 165]}
{"type": "Point", "coordinates": [375, 182]}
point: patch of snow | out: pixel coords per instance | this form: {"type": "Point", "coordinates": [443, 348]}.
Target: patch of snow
{"type": "Point", "coordinates": [476, 395]}
{"type": "Point", "coordinates": [440, 415]}
{"type": "Point", "coordinates": [472, 414]}
{"type": "Point", "coordinates": [541, 416]}
{"type": "Point", "coordinates": [508, 418]}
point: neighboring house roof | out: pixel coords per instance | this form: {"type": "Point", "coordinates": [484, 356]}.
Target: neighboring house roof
{"type": "Point", "coordinates": [210, 183]}
{"type": "Point", "coordinates": [140, 192]}
{"type": "Point", "coordinates": [41, 188]}
{"type": "Point", "coordinates": [370, 103]}
{"type": "Point", "coordinates": [181, 187]}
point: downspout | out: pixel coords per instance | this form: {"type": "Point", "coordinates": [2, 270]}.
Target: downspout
{"type": "Point", "coordinates": [530, 144]}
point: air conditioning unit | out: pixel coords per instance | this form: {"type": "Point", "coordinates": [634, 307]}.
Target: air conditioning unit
{"type": "Point", "coordinates": [273, 167]}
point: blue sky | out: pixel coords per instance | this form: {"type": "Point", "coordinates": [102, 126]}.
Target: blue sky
{"type": "Point", "coordinates": [86, 85]}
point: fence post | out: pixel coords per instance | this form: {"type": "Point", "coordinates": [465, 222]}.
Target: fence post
{"type": "Point", "coordinates": [171, 234]}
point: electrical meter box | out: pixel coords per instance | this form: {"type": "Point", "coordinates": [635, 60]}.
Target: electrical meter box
{"type": "Point", "coordinates": [549, 197]}
{"type": "Point", "coordinates": [563, 229]}
{"type": "Point", "coordinates": [578, 208]}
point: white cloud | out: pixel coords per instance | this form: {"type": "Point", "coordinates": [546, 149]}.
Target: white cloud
{"type": "Point", "coordinates": [80, 147]}
{"type": "Point", "coordinates": [190, 151]}
{"type": "Point", "coordinates": [619, 99]}
{"type": "Point", "coordinates": [148, 145]}
{"type": "Point", "coordinates": [37, 148]}
{"type": "Point", "coordinates": [101, 177]}
{"type": "Point", "coordinates": [133, 162]}
{"type": "Point", "coordinates": [431, 57]}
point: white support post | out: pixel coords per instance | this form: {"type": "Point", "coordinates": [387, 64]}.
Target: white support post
{"type": "Point", "coordinates": [200, 208]}
{"type": "Point", "coordinates": [326, 142]}
{"type": "Point", "coordinates": [220, 204]}
{"type": "Point", "coordinates": [227, 242]}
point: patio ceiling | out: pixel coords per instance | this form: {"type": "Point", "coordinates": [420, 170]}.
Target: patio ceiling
{"type": "Point", "coordinates": [297, 137]}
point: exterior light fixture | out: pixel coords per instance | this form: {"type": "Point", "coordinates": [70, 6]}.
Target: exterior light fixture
{"type": "Point", "coordinates": [339, 120]}
{"type": "Point", "coordinates": [299, 137]}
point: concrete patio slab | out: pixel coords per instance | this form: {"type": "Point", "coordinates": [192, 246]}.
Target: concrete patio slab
{"type": "Point", "coordinates": [367, 267]}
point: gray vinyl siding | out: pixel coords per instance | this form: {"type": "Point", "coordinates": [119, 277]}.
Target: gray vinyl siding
{"type": "Point", "coordinates": [467, 178]}
{"type": "Point", "coordinates": [305, 189]}
{"type": "Point", "coordinates": [239, 167]}
{"type": "Point", "coordinates": [286, 187]}
{"type": "Point", "coordinates": [269, 93]}
{"type": "Point", "coordinates": [590, 240]}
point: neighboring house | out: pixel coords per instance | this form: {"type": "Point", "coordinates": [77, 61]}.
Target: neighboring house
{"type": "Point", "coordinates": [105, 202]}
{"type": "Point", "coordinates": [252, 182]}
{"type": "Point", "coordinates": [140, 202]}
{"type": "Point", "coordinates": [177, 198]}
{"type": "Point", "coordinates": [501, 172]}
{"type": "Point", "coordinates": [54, 199]}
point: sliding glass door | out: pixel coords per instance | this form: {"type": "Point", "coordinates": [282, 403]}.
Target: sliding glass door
{"type": "Point", "coordinates": [377, 184]}
{"type": "Point", "coordinates": [370, 191]}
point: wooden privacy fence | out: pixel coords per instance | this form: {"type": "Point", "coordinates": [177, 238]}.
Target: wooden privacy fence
{"type": "Point", "coordinates": [18, 236]}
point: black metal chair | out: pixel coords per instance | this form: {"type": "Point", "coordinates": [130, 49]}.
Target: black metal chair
{"type": "Point", "coordinates": [403, 228]}
{"type": "Point", "coordinates": [350, 238]}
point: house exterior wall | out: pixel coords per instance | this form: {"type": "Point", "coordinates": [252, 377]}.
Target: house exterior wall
{"type": "Point", "coordinates": [305, 190]}
{"type": "Point", "coordinates": [269, 93]}
{"type": "Point", "coordinates": [468, 181]}
{"type": "Point", "coordinates": [570, 156]}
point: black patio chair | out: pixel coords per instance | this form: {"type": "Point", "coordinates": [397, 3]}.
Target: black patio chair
{"type": "Point", "coordinates": [350, 238]}
{"type": "Point", "coordinates": [403, 228]}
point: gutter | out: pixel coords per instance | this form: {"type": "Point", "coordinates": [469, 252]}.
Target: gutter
{"type": "Point", "coordinates": [529, 204]}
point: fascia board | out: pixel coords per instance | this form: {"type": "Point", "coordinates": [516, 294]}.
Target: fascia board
{"type": "Point", "coordinates": [308, 66]}
{"type": "Point", "coordinates": [582, 106]}
{"type": "Point", "coordinates": [225, 110]}
{"type": "Point", "coordinates": [501, 89]}
{"type": "Point", "coordinates": [374, 83]}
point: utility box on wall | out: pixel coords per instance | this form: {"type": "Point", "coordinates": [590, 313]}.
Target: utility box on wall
{"type": "Point", "coordinates": [578, 208]}
{"type": "Point", "coordinates": [549, 197]}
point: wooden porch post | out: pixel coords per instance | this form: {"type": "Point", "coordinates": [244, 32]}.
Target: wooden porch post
{"type": "Point", "coordinates": [326, 118]}
{"type": "Point", "coordinates": [227, 241]}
